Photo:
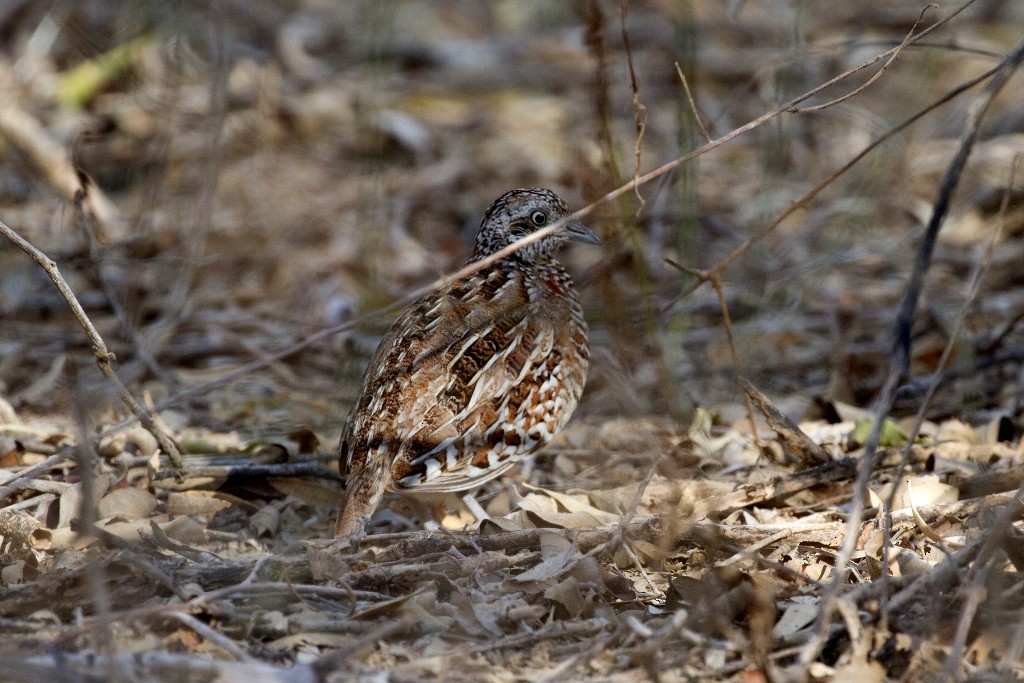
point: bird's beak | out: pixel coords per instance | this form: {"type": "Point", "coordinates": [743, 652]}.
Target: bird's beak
{"type": "Point", "coordinates": [580, 233]}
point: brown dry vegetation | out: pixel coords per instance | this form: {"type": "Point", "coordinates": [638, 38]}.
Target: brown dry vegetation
{"type": "Point", "coordinates": [262, 179]}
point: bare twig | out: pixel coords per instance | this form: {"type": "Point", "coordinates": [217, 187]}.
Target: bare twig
{"type": "Point", "coordinates": [704, 276]}
{"type": "Point", "coordinates": [639, 110]}
{"type": "Point", "coordinates": [258, 471]}
{"type": "Point", "coordinates": [207, 633]}
{"type": "Point", "coordinates": [29, 473]}
{"type": "Point", "coordinates": [150, 666]}
{"type": "Point", "coordinates": [90, 228]}
{"type": "Point", "coordinates": [915, 429]}
{"type": "Point", "coordinates": [875, 77]}
{"type": "Point", "coordinates": [716, 282]}
{"type": "Point", "coordinates": [104, 358]}
{"type": "Point", "coordinates": [754, 549]}
{"type": "Point", "coordinates": [975, 595]}
{"type": "Point", "coordinates": [204, 601]}
{"type": "Point", "coordinates": [693, 105]}
{"type": "Point", "coordinates": [900, 359]}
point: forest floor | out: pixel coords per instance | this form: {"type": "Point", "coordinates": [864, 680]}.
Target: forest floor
{"type": "Point", "coordinates": [237, 195]}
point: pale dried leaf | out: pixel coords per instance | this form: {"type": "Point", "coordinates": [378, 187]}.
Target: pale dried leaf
{"type": "Point", "coordinates": [535, 502]}
{"type": "Point", "coordinates": [926, 488]}
{"type": "Point", "coordinates": [70, 505]}
{"type": "Point", "coordinates": [129, 502]}
{"type": "Point", "coordinates": [574, 520]}
{"type": "Point", "coordinates": [859, 670]}
{"type": "Point", "coordinates": [550, 568]}
{"type": "Point", "coordinates": [567, 594]}
{"type": "Point", "coordinates": [800, 611]}
{"type": "Point", "coordinates": [185, 530]}
{"type": "Point", "coordinates": [571, 502]}
{"type": "Point", "coordinates": [955, 431]}
{"type": "Point", "coordinates": [187, 503]}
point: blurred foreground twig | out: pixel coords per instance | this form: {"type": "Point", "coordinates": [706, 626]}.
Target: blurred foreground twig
{"type": "Point", "coordinates": [104, 358]}
{"type": "Point", "coordinates": [900, 359]}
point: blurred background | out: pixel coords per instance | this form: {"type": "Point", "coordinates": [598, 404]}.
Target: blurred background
{"type": "Point", "coordinates": [276, 168]}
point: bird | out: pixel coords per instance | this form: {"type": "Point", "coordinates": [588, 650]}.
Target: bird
{"type": "Point", "coordinates": [475, 376]}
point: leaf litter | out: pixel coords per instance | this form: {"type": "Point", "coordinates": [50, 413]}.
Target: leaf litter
{"type": "Point", "coordinates": [660, 537]}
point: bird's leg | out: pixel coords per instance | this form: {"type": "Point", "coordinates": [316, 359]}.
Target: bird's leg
{"type": "Point", "coordinates": [474, 507]}
{"type": "Point", "coordinates": [366, 489]}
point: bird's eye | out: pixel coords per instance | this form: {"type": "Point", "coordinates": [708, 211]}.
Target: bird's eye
{"type": "Point", "coordinates": [539, 218]}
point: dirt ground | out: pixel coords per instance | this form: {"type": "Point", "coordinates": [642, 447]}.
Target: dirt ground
{"type": "Point", "coordinates": [240, 195]}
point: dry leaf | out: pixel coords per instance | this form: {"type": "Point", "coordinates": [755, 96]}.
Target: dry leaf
{"type": "Point", "coordinates": [800, 611]}
{"type": "Point", "coordinates": [188, 503]}
{"type": "Point", "coordinates": [859, 671]}
{"type": "Point", "coordinates": [927, 490]}
{"type": "Point", "coordinates": [553, 564]}
{"type": "Point", "coordinates": [185, 530]}
{"type": "Point", "coordinates": [567, 594]}
{"type": "Point", "coordinates": [129, 502]}
{"type": "Point", "coordinates": [265, 521]}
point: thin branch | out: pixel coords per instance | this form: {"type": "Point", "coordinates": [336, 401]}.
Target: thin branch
{"type": "Point", "coordinates": [639, 110]}
{"type": "Point", "coordinates": [213, 636]}
{"type": "Point", "coordinates": [693, 105]}
{"type": "Point", "coordinates": [975, 596]}
{"type": "Point", "coordinates": [706, 275]}
{"type": "Point", "coordinates": [104, 358]}
{"type": "Point", "coordinates": [878, 74]}
{"type": "Point", "coordinates": [90, 229]}
{"type": "Point", "coordinates": [29, 473]}
{"type": "Point", "coordinates": [937, 377]}
{"type": "Point", "coordinates": [723, 305]}
{"type": "Point", "coordinates": [50, 158]}
{"type": "Point", "coordinates": [900, 359]}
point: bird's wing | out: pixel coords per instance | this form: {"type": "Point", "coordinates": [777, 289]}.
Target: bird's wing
{"type": "Point", "coordinates": [444, 397]}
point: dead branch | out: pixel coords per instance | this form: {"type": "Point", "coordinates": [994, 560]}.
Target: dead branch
{"type": "Point", "coordinates": [704, 276]}
{"type": "Point", "coordinates": [26, 475]}
{"type": "Point", "coordinates": [639, 110]}
{"type": "Point", "coordinates": [693, 105]}
{"type": "Point", "coordinates": [796, 442]}
{"type": "Point", "coordinates": [985, 483]}
{"type": "Point", "coordinates": [874, 77]}
{"type": "Point", "coordinates": [251, 471]}
{"type": "Point", "coordinates": [947, 351]}
{"type": "Point", "coordinates": [900, 359]}
{"type": "Point", "coordinates": [782, 487]}
{"type": "Point", "coordinates": [24, 530]}
{"type": "Point", "coordinates": [104, 358]}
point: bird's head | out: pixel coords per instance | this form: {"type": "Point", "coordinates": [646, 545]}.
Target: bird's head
{"type": "Point", "coordinates": [518, 213]}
